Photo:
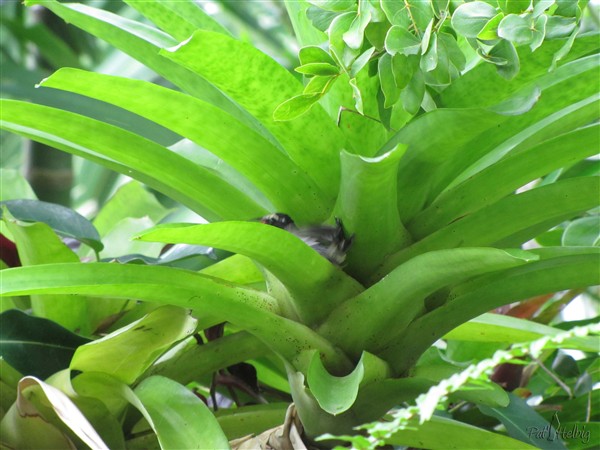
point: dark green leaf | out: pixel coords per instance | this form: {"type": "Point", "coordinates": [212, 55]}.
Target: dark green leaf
{"type": "Point", "coordinates": [36, 346]}
{"type": "Point", "coordinates": [565, 366]}
{"type": "Point", "coordinates": [61, 219]}
{"type": "Point", "coordinates": [524, 423]}
{"type": "Point", "coordinates": [440, 432]}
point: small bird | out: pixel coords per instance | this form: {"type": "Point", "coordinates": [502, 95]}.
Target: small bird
{"type": "Point", "coordinates": [329, 241]}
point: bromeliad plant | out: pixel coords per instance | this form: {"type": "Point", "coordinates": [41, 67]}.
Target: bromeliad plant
{"type": "Point", "coordinates": [425, 175]}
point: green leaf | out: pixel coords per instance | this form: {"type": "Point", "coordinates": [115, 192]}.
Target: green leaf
{"type": "Point", "coordinates": [130, 200]}
{"type": "Point", "coordinates": [367, 206]}
{"type": "Point", "coordinates": [61, 219]}
{"type": "Point", "coordinates": [400, 40]}
{"type": "Point", "coordinates": [536, 278]}
{"type": "Point", "coordinates": [13, 186]}
{"type": "Point", "coordinates": [524, 423]}
{"type": "Point", "coordinates": [488, 394]}
{"type": "Point", "coordinates": [360, 62]}
{"type": "Point", "coordinates": [361, 323]}
{"type": "Point", "coordinates": [396, 12]}
{"type": "Point", "coordinates": [334, 5]}
{"type": "Point", "coordinates": [252, 419]}
{"type": "Point", "coordinates": [248, 309]}
{"type": "Point", "coordinates": [355, 35]}
{"type": "Point", "coordinates": [582, 232]}
{"type": "Point", "coordinates": [38, 244]}
{"type": "Point", "coordinates": [319, 18]}
{"type": "Point", "coordinates": [336, 395]}
{"type": "Point", "coordinates": [402, 69]}
{"type": "Point", "coordinates": [365, 134]}
{"type": "Point", "coordinates": [180, 19]}
{"type": "Point", "coordinates": [440, 432]}
{"type": "Point", "coordinates": [412, 95]}
{"type": "Point", "coordinates": [25, 423]}
{"type": "Point", "coordinates": [539, 6]}
{"type": "Point", "coordinates": [295, 106]}
{"type": "Point", "coordinates": [343, 54]}
{"type": "Point", "coordinates": [539, 32]}
{"type": "Point", "coordinates": [490, 31]}
{"type": "Point", "coordinates": [469, 19]}
{"type": "Point", "coordinates": [387, 80]}
{"type": "Point", "coordinates": [261, 162]}
{"type": "Point", "coordinates": [547, 206]}
{"type": "Point", "coordinates": [306, 33]}
{"type": "Point", "coordinates": [501, 328]}
{"type": "Point", "coordinates": [491, 184]}
{"type": "Point", "coordinates": [178, 417]}
{"type": "Point", "coordinates": [356, 95]}
{"type": "Point", "coordinates": [505, 57]}
{"type": "Point", "coordinates": [142, 159]}
{"type": "Point", "coordinates": [429, 61]}
{"type": "Point", "coordinates": [314, 54]}
{"type": "Point", "coordinates": [560, 27]}
{"type": "Point", "coordinates": [36, 346]}
{"type": "Point", "coordinates": [520, 103]}
{"type": "Point", "coordinates": [247, 75]}
{"type": "Point", "coordinates": [143, 43]}
{"type": "Point", "coordinates": [318, 68]}
{"type": "Point", "coordinates": [142, 341]}
{"type": "Point", "coordinates": [517, 29]}
{"type": "Point", "coordinates": [305, 273]}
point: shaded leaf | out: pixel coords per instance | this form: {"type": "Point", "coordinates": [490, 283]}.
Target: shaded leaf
{"type": "Point", "coordinates": [36, 346]}
{"type": "Point", "coordinates": [524, 423]}
{"type": "Point", "coordinates": [61, 219]}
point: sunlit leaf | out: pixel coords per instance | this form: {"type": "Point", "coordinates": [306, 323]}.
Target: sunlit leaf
{"type": "Point", "coordinates": [136, 346]}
